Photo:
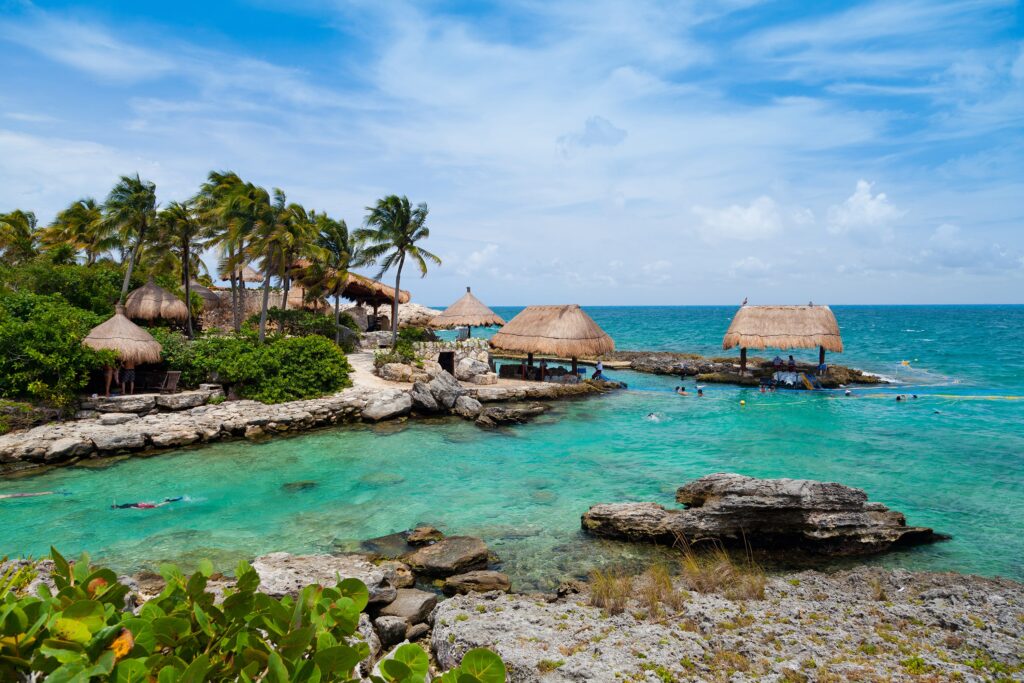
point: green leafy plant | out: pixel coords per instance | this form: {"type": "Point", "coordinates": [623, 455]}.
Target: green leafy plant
{"type": "Point", "coordinates": [83, 632]}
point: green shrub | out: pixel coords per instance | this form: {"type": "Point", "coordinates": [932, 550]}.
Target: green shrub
{"type": "Point", "coordinates": [281, 369]}
{"type": "Point", "coordinates": [94, 288]}
{"type": "Point", "coordinates": [41, 352]}
{"type": "Point", "coordinates": [302, 323]}
{"type": "Point", "coordinates": [84, 632]}
{"type": "Point", "coordinates": [415, 334]}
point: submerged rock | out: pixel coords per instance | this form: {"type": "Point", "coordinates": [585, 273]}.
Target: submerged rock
{"type": "Point", "coordinates": [424, 535]}
{"type": "Point", "coordinates": [296, 486]}
{"type": "Point", "coordinates": [493, 416]}
{"type": "Point", "coordinates": [453, 555]}
{"type": "Point", "coordinates": [820, 517]}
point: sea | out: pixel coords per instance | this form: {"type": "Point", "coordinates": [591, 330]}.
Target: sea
{"type": "Point", "coordinates": [952, 459]}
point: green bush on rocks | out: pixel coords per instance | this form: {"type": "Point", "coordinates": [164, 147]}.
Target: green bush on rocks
{"type": "Point", "coordinates": [84, 632]}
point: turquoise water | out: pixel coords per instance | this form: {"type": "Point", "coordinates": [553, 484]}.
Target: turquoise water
{"type": "Point", "coordinates": [953, 459]}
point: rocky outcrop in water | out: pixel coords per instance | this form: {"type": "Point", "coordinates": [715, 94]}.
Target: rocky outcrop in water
{"type": "Point", "coordinates": [816, 516]}
{"type": "Point", "coordinates": [496, 416]}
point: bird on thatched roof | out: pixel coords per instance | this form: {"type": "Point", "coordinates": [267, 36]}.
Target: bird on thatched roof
{"type": "Point", "coordinates": [744, 301]}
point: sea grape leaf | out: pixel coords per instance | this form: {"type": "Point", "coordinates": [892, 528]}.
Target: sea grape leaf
{"type": "Point", "coordinates": [356, 591]}
{"type": "Point", "coordinates": [72, 630]}
{"type": "Point", "coordinates": [340, 658]}
{"type": "Point", "coordinates": [483, 665]}
{"type": "Point", "coordinates": [295, 643]}
{"type": "Point", "coordinates": [395, 670]}
{"type": "Point", "coordinates": [131, 671]}
{"type": "Point", "coordinates": [205, 568]}
{"type": "Point", "coordinates": [89, 613]}
{"type": "Point", "coordinates": [276, 671]}
{"type": "Point", "coordinates": [196, 671]}
{"type": "Point", "coordinates": [415, 658]}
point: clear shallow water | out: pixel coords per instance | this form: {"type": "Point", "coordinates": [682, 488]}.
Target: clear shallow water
{"type": "Point", "coordinates": [960, 470]}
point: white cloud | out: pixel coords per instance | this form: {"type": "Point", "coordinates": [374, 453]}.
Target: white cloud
{"type": "Point", "coordinates": [597, 132]}
{"type": "Point", "coordinates": [864, 212]}
{"type": "Point", "coordinates": [475, 260]}
{"type": "Point", "coordinates": [948, 248]}
{"type": "Point", "coordinates": [749, 267]}
{"type": "Point", "coordinates": [760, 219]}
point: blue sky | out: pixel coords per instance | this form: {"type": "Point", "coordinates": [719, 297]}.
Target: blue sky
{"type": "Point", "coordinates": [593, 152]}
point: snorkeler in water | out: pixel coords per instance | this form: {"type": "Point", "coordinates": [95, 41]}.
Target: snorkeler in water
{"type": "Point", "coordinates": [145, 506]}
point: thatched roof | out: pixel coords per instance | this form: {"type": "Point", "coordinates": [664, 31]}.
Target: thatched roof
{"type": "Point", "coordinates": [131, 343]}
{"type": "Point", "coordinates": [784, 327]}
{"type": "Point", "coordinates": [209, 297]}
{"type": "Point", "coordinates": [364, 290]}
{"type": "Point", "coordinates": [151, 301]}
{"type": "Point", "coordinates": [466, 312]}
{"type": "Point", "coordinates": [563, 331]}
{"type": "Point", "coordinates": [246, 273]}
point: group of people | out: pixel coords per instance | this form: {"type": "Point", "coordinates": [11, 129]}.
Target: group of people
{"type": "Point", "coordinates": [124, 375]}
{"type": "Point", "coordinates": [681, 390]}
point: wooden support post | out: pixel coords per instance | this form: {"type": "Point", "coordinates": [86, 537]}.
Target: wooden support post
{"type": "Point", "coordinates": [574, 368]}
{"type": "Point", "coordinates": [821, 355]}
{"type": "Point", "coordinates": [743, 361]}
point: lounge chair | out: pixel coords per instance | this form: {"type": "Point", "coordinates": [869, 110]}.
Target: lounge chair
{"type": "Point", "coordinates": [170, 383]}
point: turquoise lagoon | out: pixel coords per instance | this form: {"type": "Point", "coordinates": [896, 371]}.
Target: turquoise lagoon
{"type": "Point", "coordinates": [953, 459]}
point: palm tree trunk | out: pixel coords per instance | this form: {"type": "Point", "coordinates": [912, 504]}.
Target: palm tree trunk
{"type": "Point", "coordinates": [266, 300]}
{"type": "Point", "coordinates": [394, 302]}
{"type": "Point", "coordinates": [131, 266]}
{"type": "Point", "coordinates": [337, 319]}
{"type": "Point", "coordinates": [286, 283]}
{"type": "Point", "coordinates": [188, 287]}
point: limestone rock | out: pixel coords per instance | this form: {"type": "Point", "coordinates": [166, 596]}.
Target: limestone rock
{"type": "Point", "coordinates": [68, 447]}
{"type": "Point", "coordinates": [286, 574]}
{"type": "Point", "coordinates": [452, 555]}
{"type": "Point", "coordinates": [412, 605]}
{"type": "Point", "coordinates": [395, 372]}
{"type": "Point", "coordinates": [493, 416]}
{"type": "Point", "coordinates": [816, 516]}
{"type": "Point", "coordinates": [416, 631]}
{"type": "Point", "coordinates": [422, 399]}
{"type": "Point", "coordinates": [139, 403]}
{"type": "Point", "coordinates": [182, 401]}
{"type": "Point", "coordinates": [481, 581]}
{"type": "Point", "coordinates": [445, 389]}
{"type": "Point", "coordinates": [111, 439]}
{"type": "Point", "coordinates": [484, 378]}
{"type": "Point", "coordinates": [175, 437]}
{"type": "Point", "coordinates": [399, 573]}
{"type": "Point", "coordinates": [110, 419]}
{"type": "Point", "coordinates": [467, 368]}
{"type": "Point", "coordinates": [388, 406]}
{"type": "Point", "coordinates": [467, 406]}
{"type": "Point", "coordinates": [424, 535]}
{"type": "Point", "coordinates": [390, 629]}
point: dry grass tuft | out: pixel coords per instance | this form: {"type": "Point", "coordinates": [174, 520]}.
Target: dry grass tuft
{"type": "Point", "coordinates": [610, 590]}
{"type": "Point", "coordinates": [877, 590]}
{"type": "Point", "coordinates": [715, 571]}
{"type": "Point", "coordinates": [657, 591]}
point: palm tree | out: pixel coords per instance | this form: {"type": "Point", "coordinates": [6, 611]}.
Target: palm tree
{"type": "Point", "coordinates": [392, 230]}
{"type": "Point", "coordinates": [302, 225]}
{"type": "Point", "coordinates": [180, 229]}
{"type": "Point", "coordinates": [81, 225]}
{"type": "Point", "coordinates": [225, 232]}
{"type": "Point", "coordinates": [19, 236]}
{"type": "Point", "coordinates": [268, 220]}
{"type": "Point", "coordinates": [131, 210]}
{"type": "Point", "coordinates": [328, 274]}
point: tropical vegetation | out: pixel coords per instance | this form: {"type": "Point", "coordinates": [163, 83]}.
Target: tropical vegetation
{"type": "Point", "coordinates": [82, 630]}
{"type": "Point", "coordinates": [59, 280]}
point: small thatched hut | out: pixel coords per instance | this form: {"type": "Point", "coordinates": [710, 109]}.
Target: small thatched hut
{"type": "Point", "coordinates": [467, 312]}
{"type": "Point", "coordinates": [210, 299]}
{"type": "Point", "coordinates": [364, 290]}
{"type": "Point", "coordinates": [245, 274]}
{"type": "Point", "coordinates": [131, 343]}
{"type": "Point", "coordinates": [563, 331]}
{"type": "Point", "coordinates": [783, 327]}
{"type": "Point", "coordinates": [151, 302]}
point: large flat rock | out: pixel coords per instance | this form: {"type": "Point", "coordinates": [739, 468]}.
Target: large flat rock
{"type": "Point", "coordinates": [820, 517]}
{"type": "Point", "coordinates": [412, 605]}
{"type": "Point", "coordinates": [452, 555]}
{"type": "Point", "coordinates": [286, 574]}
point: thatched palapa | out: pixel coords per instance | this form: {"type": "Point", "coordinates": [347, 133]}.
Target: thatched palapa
{"type": "Point", "coordinates": [784, 327]}
{"type": "Point", "coordinates": [562, 331]}
{"type": "Point", "coordinates": [131, 343]}
{"type": "Point", "coordinates": [364, 290]}
{"type": "Point", "coordinates": [245, 274]}
{"type": "Point", "coordinates": [210, 299]}
{"type": "Point", "coordinates": [151, 302]}
{"type": "Point", "coordinates": [466, 312]}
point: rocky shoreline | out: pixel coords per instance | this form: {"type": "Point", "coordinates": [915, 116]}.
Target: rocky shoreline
{"type": "Point", "coordinates": [142, 428]}
{"type": "Point", "coordinates": [725, 370]}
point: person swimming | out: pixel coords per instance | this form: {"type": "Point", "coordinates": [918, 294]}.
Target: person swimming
{"type": "Point", "coordinates": [700, 392]}
{"type": "Point", "coordinates": [145, 506]}
{"type": "Point", "coordinates": [682, 391]}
